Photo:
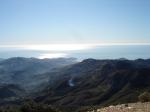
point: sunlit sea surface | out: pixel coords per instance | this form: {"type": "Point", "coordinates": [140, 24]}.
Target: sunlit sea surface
{"type": "Point", "coordinates": [99, 52]}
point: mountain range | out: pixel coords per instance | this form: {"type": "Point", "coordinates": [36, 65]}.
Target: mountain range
{"type": "Point", "coordinates": [27, 74]}
{"type": "Point", "coordinates": [67, 82]}
{"type": "Point", "coordinates": [99, 82]}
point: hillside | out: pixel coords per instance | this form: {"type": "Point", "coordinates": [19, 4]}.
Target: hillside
{"type": "Point", "coordinates": [28, 74]}
{"type": "Point", "coordinates": [99, 82]}
{"type": "Point", "coordinates": [76, 85]}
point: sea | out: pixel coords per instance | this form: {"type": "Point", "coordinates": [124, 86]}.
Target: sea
{"type": "Point", "coordinates": [99, 52]}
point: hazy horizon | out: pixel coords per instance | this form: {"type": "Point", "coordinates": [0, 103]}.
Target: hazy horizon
{"type": "Point", "coordinates": [81, 52]}
{"type": "Point", "coordinates": [75, 28]}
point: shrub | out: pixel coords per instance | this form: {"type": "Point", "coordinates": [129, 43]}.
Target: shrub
{"type": "Point", "coordinates": [144, 97]}
{"type": "Point", "coordinates": [32, 106]}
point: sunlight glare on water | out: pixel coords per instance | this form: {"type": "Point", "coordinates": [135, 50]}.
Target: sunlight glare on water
{"type": "Point", "coordinates": [52, 55]}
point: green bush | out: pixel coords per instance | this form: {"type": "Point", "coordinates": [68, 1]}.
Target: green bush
{"type": "Point", "coordinates": [144, 97]}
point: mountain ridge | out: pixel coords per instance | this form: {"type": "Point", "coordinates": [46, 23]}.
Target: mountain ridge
{"type": "Point", "coordinates": [106, 77]}
{"type": "Point", "coordinates": [89, 82]}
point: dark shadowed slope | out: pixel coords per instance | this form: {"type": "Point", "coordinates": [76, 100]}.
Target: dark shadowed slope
{"type": "Point", "coordinates": [103, 82]}
{"type": "Point", "coordinates": [86, 83]}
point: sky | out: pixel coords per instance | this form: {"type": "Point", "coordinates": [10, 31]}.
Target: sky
{"type": "Point", "coordinates": [74, 21]}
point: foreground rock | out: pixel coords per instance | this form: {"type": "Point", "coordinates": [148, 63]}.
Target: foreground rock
{"type": "Point", "coordinates": [131, 107]}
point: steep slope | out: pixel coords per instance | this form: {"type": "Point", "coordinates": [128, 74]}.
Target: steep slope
{"type": "Point", "coordinates": [94, 82]}
{"type": "Point", "coordinates": [10, 93]}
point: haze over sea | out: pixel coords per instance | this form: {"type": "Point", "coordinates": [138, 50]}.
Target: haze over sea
{"type": "Point", "coordinates": [80, 52]}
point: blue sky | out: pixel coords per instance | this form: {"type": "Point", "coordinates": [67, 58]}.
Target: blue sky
{"type": "Point", "coordinates": [74, 21]}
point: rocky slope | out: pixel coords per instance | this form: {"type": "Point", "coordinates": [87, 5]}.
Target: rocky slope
{"type": "Point", "coordinates": [131, 107]}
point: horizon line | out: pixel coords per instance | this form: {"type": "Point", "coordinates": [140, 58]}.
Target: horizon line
{"type": "Point", "coordinates": [103, 44]}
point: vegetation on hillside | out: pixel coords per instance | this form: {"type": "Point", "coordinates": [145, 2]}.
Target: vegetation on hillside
{"type": "Point", "coordinates": [144, 97]}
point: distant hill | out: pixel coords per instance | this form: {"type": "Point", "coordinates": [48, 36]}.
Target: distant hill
{"type": "Point", "coordinates": [1, 59]}
{"type": "Point", "coordinates": [28, 72]}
